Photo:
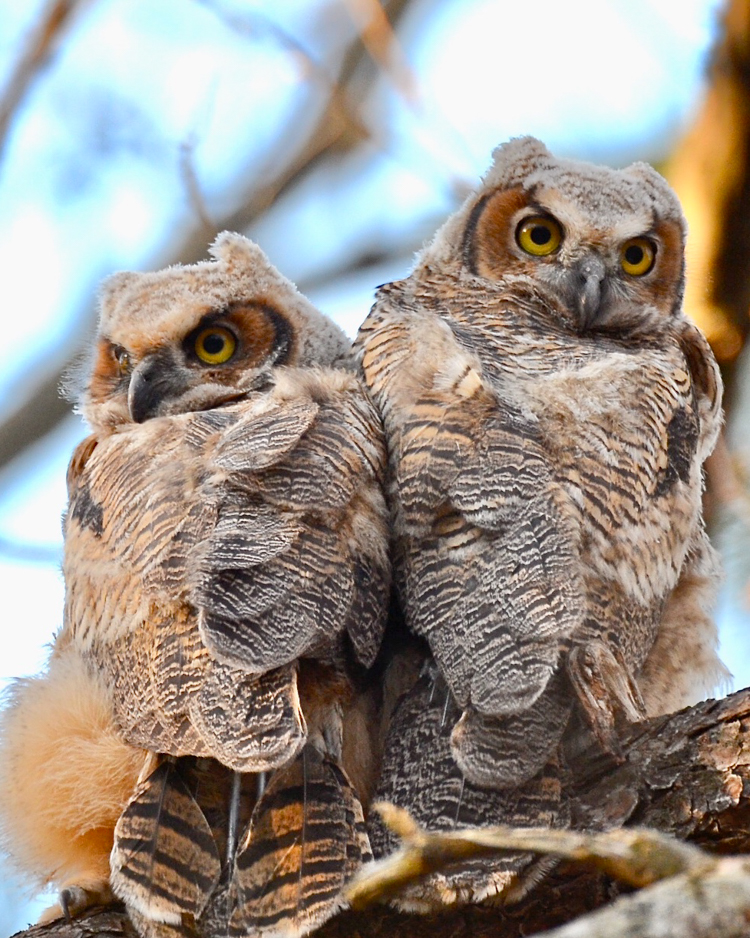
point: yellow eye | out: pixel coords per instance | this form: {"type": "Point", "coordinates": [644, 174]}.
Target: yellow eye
{"type": "Point", "coordinates": [539, 235]}
{"type": "Point", "coordinates": [215, 345]}
{"type": "Point", "coordinates": [123, 358]}
{"type": "Point", "coordinates": [637, 256]}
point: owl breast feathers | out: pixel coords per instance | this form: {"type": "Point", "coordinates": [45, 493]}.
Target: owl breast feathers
{"type": "Point", "coordinates": [548, 409]}
{"type": "Point", "coordinates": [226, 578]}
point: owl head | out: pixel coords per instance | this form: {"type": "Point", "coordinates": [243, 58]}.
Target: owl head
{"type": "Point", "coordinates": [193, 337]}
{"type": "Point", "coordinates": [608, 244]}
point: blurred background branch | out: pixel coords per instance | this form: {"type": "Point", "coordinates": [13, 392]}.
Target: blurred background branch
{"type": "Point", "coordinates": [38, 49]}
{"type": "Point", "coordinates": [710, 169]}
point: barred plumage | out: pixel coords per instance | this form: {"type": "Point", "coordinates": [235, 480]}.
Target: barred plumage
{"type": "Point", "coordinates": [548, 409]}
{"type": "Point", "coordinates": [227, 579]}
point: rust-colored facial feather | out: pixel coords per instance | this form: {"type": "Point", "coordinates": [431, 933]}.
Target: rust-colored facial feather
{"type": "Point", "coordinates": [488, 241]}
{"type": "Point", "coordinates": [107, 376]}
{"type": "Point", "coordinates": [260, 330]}
{"type": "Point", "coordinates": [669, 265]}
{"type": "Point", "coordinates": [261, 334]}
{"type": "Point", "coordinates": [491, 249]}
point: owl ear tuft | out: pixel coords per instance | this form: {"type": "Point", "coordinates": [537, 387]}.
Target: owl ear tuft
{"type": "Point", "coordinates": [665, 199]}
{"type": "Point", "coordinates": [235, 249]}
{"type": "Point", "coordinates": [115, 285]}
{"type": "Point", "coordinates": [515, 159]}
{"type": "Point", "coordinates": [520, 148]}
{"type": "Point", "coordinates": [646, 172]}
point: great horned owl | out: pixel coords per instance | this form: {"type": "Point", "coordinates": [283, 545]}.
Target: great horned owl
{"type": "Point", "coordinates": [547, 409]}
{"type": "Point", "coordinates": [226, 578]}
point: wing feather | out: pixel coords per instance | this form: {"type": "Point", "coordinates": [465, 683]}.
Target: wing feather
{"type": "Point", "coordinates": [208, 551]}
{"type": "Point", "coordinates": [488, 542]}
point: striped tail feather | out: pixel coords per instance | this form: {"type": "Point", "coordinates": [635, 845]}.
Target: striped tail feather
{"type": "Point", "coordinates": [165, 862]}
{"type": "Point", "coordinates": [306, 839]}
{"type": "Point", "coordinates": [147, 928]}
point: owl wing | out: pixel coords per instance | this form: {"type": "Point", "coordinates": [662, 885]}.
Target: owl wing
{"type": "Point", "coordinates": [200, 564]}
{"type": "Point", "coordinates": [488, 550]}
{"type": "Point", "coordinates": [707, 384]}
{"type": "Point", "coordinates": [290, 570]}
{"type": "Point", "coordinates": [165, 861]}
{"type": "Point", "coordinates": [305, 840]}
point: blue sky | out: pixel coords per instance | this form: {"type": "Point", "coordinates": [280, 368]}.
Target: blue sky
{"type": "Point", "coordinates": [90, 180]}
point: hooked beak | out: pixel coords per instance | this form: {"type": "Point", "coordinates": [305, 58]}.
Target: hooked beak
{"type": "Point", "coordinates": [590, 273]}
{"type": "Point", "coordinates": [153, 381]}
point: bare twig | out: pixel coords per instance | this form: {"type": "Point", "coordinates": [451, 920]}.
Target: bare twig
{"type": "Point", "coordinates": [382, 43]}
{"type": "Point", "coordinates": [634, 856]}
{"type": "Point", "coordinates": [685, 891]}
{"type": "Point", "coordinates": [192, 186]}
{"type": "Point", "coordinates": [248, 20]}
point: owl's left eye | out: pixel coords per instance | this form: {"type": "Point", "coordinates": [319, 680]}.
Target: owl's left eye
{"type": "Point", "coordinates": [637, 256]}
{"type": "Point", "coordinates": [215, 345]}
{"type": "Point", "coordinates": [539, 235]}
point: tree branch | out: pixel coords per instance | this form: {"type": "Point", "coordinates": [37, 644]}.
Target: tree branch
{"type": "Point", "coordinates": [710, 169]}
{"type": "Point", "coordinates": [332, 132]}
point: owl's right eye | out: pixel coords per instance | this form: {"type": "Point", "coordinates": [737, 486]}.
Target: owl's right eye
{"type": "Point", "coordinates": [122, 357]}
{"type": "Point", "coordinates": [539, 235]}
{"type": "Point", "coordinates": [215, 345]}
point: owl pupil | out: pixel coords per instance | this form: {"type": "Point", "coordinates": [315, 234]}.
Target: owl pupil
{"type": "Point", "coordinates": [634, 254]}
{"type": "Point", "coordinates": [540, 234]}
{"type": "Point", "coordinates": [213, 344]}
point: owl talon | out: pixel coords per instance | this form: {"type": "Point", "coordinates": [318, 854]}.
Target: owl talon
{"type": "Point", "coordinates": [65, 897]}
{"type": "Point", "coordinates": [74, 900]}
{"type": "Point", "coordinates": [604, 687]}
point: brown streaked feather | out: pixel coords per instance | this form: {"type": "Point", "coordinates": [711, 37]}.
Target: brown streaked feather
{"type": "Point", "coordinates": [477, 512]}
{"type": "Point", "coordinates": [201, 551]}
{"type": "Point", "coordinates": [501, 752]}
{"type": "Point", "coordinates": [305, 840]}
{"type": "Point", "coordinates": [226, 532]}
{"type": "Point", "coordinates": [592, 443]}
{"type": "Point", "coordinates": [251, 723]}
{"type": "Point", "coordinates": [298, 598]}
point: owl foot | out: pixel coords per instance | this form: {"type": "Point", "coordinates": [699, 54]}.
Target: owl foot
{"type": "Point", "coordinates": [74, 900]}
{"type": "Point", "coordinates": [604, 686]}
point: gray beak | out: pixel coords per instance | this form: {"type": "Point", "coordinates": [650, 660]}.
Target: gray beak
{"type": "Point", "coordinates": [588, 289]}
{"type": "Point", "coordinates": [153, 380]}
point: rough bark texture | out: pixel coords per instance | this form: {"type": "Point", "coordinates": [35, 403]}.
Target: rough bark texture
{"type": "Point", "coordinates": [687, 774]}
